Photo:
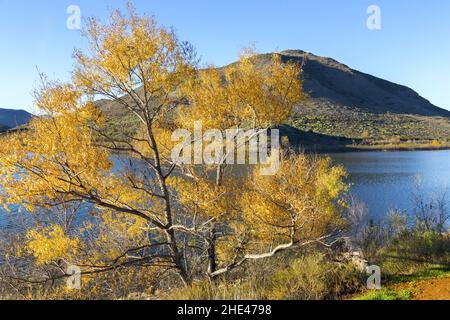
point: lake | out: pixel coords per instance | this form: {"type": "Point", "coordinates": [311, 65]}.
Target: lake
{"type": "Point", "coordinates": [384, 180]}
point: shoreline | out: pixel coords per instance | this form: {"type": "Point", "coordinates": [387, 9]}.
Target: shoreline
{"type": "Point", "coordinates": [374, 148]}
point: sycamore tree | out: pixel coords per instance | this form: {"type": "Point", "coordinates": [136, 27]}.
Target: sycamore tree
{"type": "Point", "coordinates": [154, 212]}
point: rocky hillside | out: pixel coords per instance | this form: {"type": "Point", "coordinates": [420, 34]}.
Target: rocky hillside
{"type": "Point", "coordinates": [333, 85]}
{"type": "Point", "coordinates": [344, 103]}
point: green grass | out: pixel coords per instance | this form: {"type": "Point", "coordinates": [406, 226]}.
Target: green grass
{"type": "Point", "coordinates": [387, 294]}
{"type": "Point", "coordinates": [433, 272]}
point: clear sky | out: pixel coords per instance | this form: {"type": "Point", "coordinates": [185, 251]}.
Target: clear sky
{"type": "Point", "coordinates": [412, 47]}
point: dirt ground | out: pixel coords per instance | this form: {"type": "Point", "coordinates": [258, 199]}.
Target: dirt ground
{"type": "Point", "coordinates": [438, 289]}
{"type": "Point", "coordinates": [435, 289]}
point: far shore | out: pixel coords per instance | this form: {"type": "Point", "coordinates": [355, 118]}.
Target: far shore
{"type": "Point", "coordinates": [400, 147]}
{"type": "Point", "coordinates": [372, 148]}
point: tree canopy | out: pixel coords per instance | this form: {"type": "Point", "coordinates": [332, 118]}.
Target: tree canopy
{"type": "Point", "coordinates": [146, 209]}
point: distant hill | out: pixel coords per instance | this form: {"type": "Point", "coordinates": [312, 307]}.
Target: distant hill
{"type": "Point", "coordinates": [331, 84]}
{"type": "Point", "coordinates": [348, 104]}
{"type": "Point", "coordinates": [3, 128]}
{"type": "Point", "coordinates": [343, 103]}
{"type": "Point", "coordinates": [13, 118]}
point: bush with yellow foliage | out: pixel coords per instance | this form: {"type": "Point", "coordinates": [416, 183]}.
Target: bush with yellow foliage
{"type": "Point", "coordinates": [178, 220]}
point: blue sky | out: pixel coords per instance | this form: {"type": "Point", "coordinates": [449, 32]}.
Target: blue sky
{"type": "Point", "coordinates": [412, 48]}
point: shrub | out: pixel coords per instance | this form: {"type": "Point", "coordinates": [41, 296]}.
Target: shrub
{"type": "Point", "coordinates": [305, 279]}
{"type": "Point", "coordinates": [223, 290]}
{"type": "Point", "coordinates": [420, 247]}
{"type": "Point", "coordinates": [311, 277]}
{"type": "Point", "coordinates": [314, 278]}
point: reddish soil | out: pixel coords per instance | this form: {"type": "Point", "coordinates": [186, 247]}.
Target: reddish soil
{"type": "Point", "coordinates": [435, 289]}
{"type": "Point", "coordinates": [438, 289]}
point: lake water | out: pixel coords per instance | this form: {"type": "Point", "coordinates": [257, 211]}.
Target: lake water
{"type": "Point", "coordinates": [384, 180]}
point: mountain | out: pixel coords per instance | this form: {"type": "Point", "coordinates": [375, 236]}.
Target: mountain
{"type": "Point", "coordinates": [334, 84]}
{"type": "Point", "coordinates": [344, 104]}
{"type": "Point", "coordinates": [13, 118]}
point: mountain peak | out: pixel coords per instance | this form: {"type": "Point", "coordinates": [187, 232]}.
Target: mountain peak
{"type": "Point", "coordinates": [308, 56]}
{"type": "Point", "coordinates": [294, 52]}
{"type": "Point", "coordinates": [334, 85]}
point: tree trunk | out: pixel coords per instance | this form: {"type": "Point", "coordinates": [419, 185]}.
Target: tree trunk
{"type": "Point", "coordinates": [212, 255]}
